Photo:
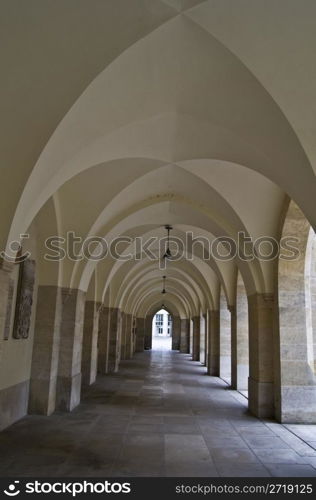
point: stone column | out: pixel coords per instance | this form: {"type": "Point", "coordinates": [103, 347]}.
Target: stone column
{"type": "Point", "coordinates": [225, 343]}
{"type": "Point", "coordinates": [176, 332]}
{"type": "Point", "coordinates": [128, 336]}
{"type": "Point", "coordinates": [123, 335]}
{"type": "Point", "coordinates": [71, 332]}
{"type": "Point", "coordinates": [90, 342]}
{"type": "Point", "coordinates": [140, 334]}
{"type": "Point", "coordinates": [213, 344]}
{"type": "Point", "coordinates": [103, 341]}
{"type": "Point", "coordinates": [185, 336]}
{"type": "Point", "coordinates": [261, 370]}
{"type": "Point", "coordinates": [114, 340]}
{"type": "Point", "coordinates": [233, 326]}
{"type": "Point", "coordinates": [44, 371]}
{"type": "Point", "coordinates": [196, 339]}
{"type": "Point", "coordinates": [148, 332]}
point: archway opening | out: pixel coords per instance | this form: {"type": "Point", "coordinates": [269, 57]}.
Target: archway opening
{"type": "Point", "coordinates": [296, 393]}
{"type": "Point", "coordinates": [310, 292]}
{"type": "Point", "coordinates": [162, 325]}
{"type": "Point", "coordinates": [242, 339]}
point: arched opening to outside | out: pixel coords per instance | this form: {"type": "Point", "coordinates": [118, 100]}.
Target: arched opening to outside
{"type": "Point", "coordinates": [191, 336]}
{"type": "Point", "coordinates": [242, 339]}
{"type": "Point", "coordinates": [225, 347]}
{"type": "Point", "coordinates": [310, 290]}
{"type": "Point", "coordinates": [203, 337]}
{"type": "Point", "coordinates": [162, 326]}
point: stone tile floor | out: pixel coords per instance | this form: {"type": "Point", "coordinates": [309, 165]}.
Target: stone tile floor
{"type": "Point", "coordinates": [159, 416]}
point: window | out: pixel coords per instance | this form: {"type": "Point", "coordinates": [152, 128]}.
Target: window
{"type": "Point", "coordinates": [159, 323]}
{"type": "Point", "coordinates": [169, 324]}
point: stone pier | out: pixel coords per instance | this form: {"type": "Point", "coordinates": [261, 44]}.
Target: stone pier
{"type": "Point", "coordinates": [71, 333]}
{"type": "Point", "coordinates": [44, 372]}
{"type": "Point", "coordinates": [213, 344]}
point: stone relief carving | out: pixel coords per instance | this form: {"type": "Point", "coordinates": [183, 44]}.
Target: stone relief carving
{"type": "Point", "coordinates": [24, 301]}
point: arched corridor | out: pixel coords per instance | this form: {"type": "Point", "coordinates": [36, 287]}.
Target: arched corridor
{"type": "Point", "coordinates": [159, 416]}
{"type": "Point", "coordinates": [157, 237]}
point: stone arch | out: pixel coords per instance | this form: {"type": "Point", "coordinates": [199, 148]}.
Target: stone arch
{"type": "Point", "coordinates": [149, 325]}
{"type": "Point", "coordinates": [296, 392]}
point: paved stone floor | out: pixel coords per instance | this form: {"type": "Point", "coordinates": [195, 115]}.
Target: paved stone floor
{"type": "Point", "coordinates": [159, 416]}
{"type": "Point", "coordinates": [161, 343]}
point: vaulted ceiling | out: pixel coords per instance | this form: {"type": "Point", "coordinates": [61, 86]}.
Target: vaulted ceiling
{"type": "Point", "coordinates": [120, 116]}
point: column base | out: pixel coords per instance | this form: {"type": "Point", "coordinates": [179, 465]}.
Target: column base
{"type": "Point", "coordinates": [261, 398]}
{"type": "Point", "coordinates": [184, 350]}
{"type": "Point", "coordinates": [294, 409]}
{"type": "Point", "coordinates": [113, 366]}
{"type": "Point", "coordinates": [68, 392]}
{"type": "Point", "coordinates": [42, 396]}
{"type": "Point", "coordinates": [213, 366]}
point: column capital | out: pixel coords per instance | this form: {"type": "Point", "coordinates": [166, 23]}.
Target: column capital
{"type": "Point", "coordinates": [65, 294]}
{"type": "Point", "coordinates": [268, 299]}
{"type": "Point", "coordinates": [98, 306]}
{"type": "Point", "coordinates": [214, 313]}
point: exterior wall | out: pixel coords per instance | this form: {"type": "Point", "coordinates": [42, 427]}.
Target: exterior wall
{"type": "Point", "coordinates": [154, 328]}
{"type": "Point", "coordinates": [15, 354]}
